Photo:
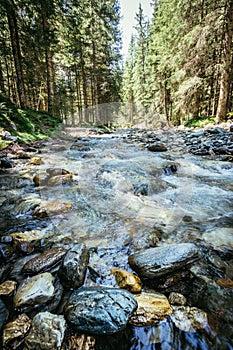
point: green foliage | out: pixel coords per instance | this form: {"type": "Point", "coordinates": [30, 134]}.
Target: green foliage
{"type": "Point", "coordinates": [26, 124]}
{"type": "Point", "coordinates": [200, 122]}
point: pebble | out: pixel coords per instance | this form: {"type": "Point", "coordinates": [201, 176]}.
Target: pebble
{"type": "Point", "coordinates": [127, 280]}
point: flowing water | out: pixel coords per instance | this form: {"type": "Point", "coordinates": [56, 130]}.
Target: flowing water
{"type": "Point", "coordinates": [126, 198]}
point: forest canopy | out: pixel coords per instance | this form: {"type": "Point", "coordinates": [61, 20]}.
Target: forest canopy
{"type": "Point", "coordinates": [64, 57]}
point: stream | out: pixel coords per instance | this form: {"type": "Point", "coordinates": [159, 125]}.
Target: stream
{"type": "Point", "coordinates": [125, 199]}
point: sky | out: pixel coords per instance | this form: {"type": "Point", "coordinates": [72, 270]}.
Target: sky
{"type": "Point", "coordinates": [128, 13]}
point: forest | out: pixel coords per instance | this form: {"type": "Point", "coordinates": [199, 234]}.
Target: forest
{"type": "Point", "coordinates": [64, 57]}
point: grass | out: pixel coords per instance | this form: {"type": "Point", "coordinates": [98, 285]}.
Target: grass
{"type": "Point", "coordinates": [199, 121]}
{"type": "Point", "coordinates": [28, 125]}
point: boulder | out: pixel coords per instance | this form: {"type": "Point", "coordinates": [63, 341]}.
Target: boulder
{"type": "Point", "coordinates": [100, 310]}
{"type": "Point", "coordinates": [47, 332]}
{"type": "Point", "coordinates": [73, 267]}
{"type": "Point", "coordinates": [152, 308]}
{"type": "Point", "coordinates": [159, 261]}
{"type": "Point", "coordinates": [60, 179]}
{"type": "Point", "coordinates": [157, 147]}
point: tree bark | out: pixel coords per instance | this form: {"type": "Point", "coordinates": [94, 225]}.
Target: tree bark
{"type": "Point", "coordinates": [14, 34]}
{"type": "Point", "coordinates": [226, 65]}
{"type": "Point", "coordinates": [2, 85]}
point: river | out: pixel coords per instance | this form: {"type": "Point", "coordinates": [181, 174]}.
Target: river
{"type": "Point", "coordinates": [125, 199]}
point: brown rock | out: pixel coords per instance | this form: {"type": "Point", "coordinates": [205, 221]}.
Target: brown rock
{"type": "Point", "coordinates": [57, 171]}
{"type": "Point", "coordinates": [127, 280]}
{"type": "Point", "coordinates": [222, 282]}
{"type": "Point", "coordinates": [7, 288]}
{"type": "Point", "coordinates": [54, 207]}
{"type": "Point", "coordinates": [36, 160]}
{"type": "Point", "coordinates": [40, 179]}
{"type": "Point", "coordinates": [177, 299]}
{"type": "Point", "coordinates": [14, 332]}
{"type": "Point", "coordinates": [27, 236]}
{"type": "Point", "coordinates": [44, 261]}
{"type": "Point", "coordinates": [60, 179]}
{"type": "Point", "coordinates": [152, 307]}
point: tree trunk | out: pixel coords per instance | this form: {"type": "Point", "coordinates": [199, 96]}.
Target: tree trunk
{"type": "Point", "coordinates": [226, 65]}
{"type": "Point", "coordinates": [2, 85]}
{"type": "Point", "coordinates": [48, 58]}
{"type": "Point", "coordinates": [13, 28]}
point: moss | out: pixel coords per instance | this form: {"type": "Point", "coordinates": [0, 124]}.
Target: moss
{"type": "Point", "coordinates": [4, 144]}
{"type": "Point", "coordinates": [28, 125]}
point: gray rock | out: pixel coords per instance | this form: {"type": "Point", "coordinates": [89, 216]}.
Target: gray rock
{"type": "Point", "coordinates": [189, 319]}
{"type": "Point", "coordinates": [6, 163]}
{"type": "Point", "coordinates": [100, 310]}
{"type": "Point", "coordinates": [159, 261]}
{"type": "Point", "coordinates": [34, 291]}
{"type": "Point", "coordinates": [177, 299]}
{"type": "Point", "coordinates": [47, 332]}
{"type": "Point", "coordinates": [157, 147]}
{"type": "Point", "coordinates": [73, 267]}
{"type": "Point", "coordinates": [3, 313]}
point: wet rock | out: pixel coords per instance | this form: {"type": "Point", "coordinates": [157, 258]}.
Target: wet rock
{"type": "Point", "coordinates": [73, 267]}
{"type": "Point", "coordinates": [40, 179]}
{"type": "Point", "coordinates": [6, 163]}
{"type": "Point", "coordinates": [34, 291]}
{"type": "Point", "coordinates": [6, 252]}
{"type": "Point", "coordinates": [189, 319]}
{"type": "Point", "coordinates": [127, 280]}
{"type": "Point", "coordinates": [60, 179]}
{"type": "Point", "coordinates": [15, 331]}
{"type": "Point", "coordinates": [54, 207]}
{"type": "Point", "coordinates": [100, 310]}
{"type": "Point", "coordinates": [36, 160]}
{"type": "Point", "coordinates": [80, 342]}
{"type": "Point", "coordinates": [142, 189]}
{"type": "Point", "coordinates": [158, 261]}
{"type": "Point", "coordinates": [152, 307]}
{"type": "Point", "coordinates": [177, 299]}
{"type": "Point", "coordinates": [44, 261]}
{"type": "Point", "coordinates": [27, 236]}
{"type": "Point", "coordinates": [57, 171]}
{"type": "Point", "coordinates": [157, 147]}
{"type": "Point", "coordinates": [170, 169]}
{"type": "Point", "coordinates": [7, 288]}
{"type": "Point", "coordinates": [219, 236]}
{"type": "Point", "coordinates": [47, 332]}
{"type": "Point", "coordinates": [3, 313]}
{"type": "Point", "coordinates": [222, 282]}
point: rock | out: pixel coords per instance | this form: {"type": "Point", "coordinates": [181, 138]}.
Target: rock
{"type": "Point", "coordinates": [219, 236]}
{"type": "Point", "coordinates": [157, 147]}
{"type": "Point", "coordinates": [57, 171]}
{"type": "Point", "coordinates": [80, 342]}
{"type": "Point", "coordinates": [152, 308]}
{"type": "Point", "coordinates": [73, 267]}
{"type": "Point", "coordinates": [170, 169]}
{"type": "Point", "coordinates": [6, 163]}
{"type": "Point", "coordinates": [7, 288]}
{"type": "Point", "coordinates": [127, 280]}
{"type": "Point", "coordinates": [159, 261]}
{"type": "Point", "coordinates": [34, 291]}
{"type": "Point", "coordinates": [15, 331]}
{"type": "Point", "coordinates": [100, 310]}
{"type": "Point", "coordinates": [225, 283]}
{"type": "Point", "coordinates": [177, 299]}
{"type": "Point", "coordinates": [36, 160]}
{"type": "Point", "coordinates": [60, 179]}
{"type": "Point", "coordinates": [40, 179]}
{"type": "Point", "coordinates": [54, 207]}
{"type": "Point", "coordinates": [3, 313]}
{"type": "Point", "coordinates": [47, 332]}
{"type": "Point", "coordinates": [189, 319]}
{"type": "Point", "coordinates": [44, 261]}
{"type": "Point", "coordinates": [27, 236]}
